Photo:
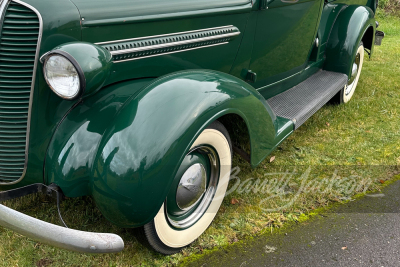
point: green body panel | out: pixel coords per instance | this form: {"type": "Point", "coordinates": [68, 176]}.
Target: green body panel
{"type": "Point", "coordinates": [287, 60]}
{"type": "Point", "coordinates": [284, 38]}
{"type": "Point", "coordinates": [372, 4]}
{"type": "Point", "coordinates": [243, 58]}
{"type": "Point", "coordinates": [62, 25]}
{"type": "Point", "coordinates": [105, 12]}
{"type": "Point", "coordinates": [220, 58]}
{"type": "Point", "coordinates": [330, 13]}
{"type": "Point", "coordinates": [345, 37]}
{"type": "Point", "coordinates": [71, 154]}
{"type": "Point", "coordinates": [123, 141]}
{"type": "Point", "coordinates": [128, 151]}
{"type": "Point", "coordinates": [329, 18]}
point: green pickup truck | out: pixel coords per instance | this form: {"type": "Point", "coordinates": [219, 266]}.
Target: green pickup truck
{"type": "Point", "coordinates": [127, 101]}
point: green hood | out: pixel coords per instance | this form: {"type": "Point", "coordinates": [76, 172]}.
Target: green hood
{"type": "Point", "coordinates": [98, 10]}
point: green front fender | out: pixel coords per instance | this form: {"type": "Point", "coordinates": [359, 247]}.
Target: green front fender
{"type": "Point", "coordinates": [347, 33]}
{"type": "Point", "coordinates": [126, 155]}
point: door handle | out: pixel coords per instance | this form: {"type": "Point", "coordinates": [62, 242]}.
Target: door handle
{"type": "Point", "coordinates": [265, 3]}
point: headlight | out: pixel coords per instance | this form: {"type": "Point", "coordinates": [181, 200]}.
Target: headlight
{"type": "Point", "coordinates": [64, 76]}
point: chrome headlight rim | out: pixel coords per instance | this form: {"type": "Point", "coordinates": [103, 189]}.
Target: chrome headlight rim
{"type": "Point", "coordinates": [74, 62]}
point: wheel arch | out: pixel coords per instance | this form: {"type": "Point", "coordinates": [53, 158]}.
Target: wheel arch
{"type": "Point", "coordinates": [353, 25]}
{"type": "Point", "coordinates": [239, 133]}
{"type": "Point", "coordinates": [368, 38]}
{"type": "Point", "coordinates": [133, 155]}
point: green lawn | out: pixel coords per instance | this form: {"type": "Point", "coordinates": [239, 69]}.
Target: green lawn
{"type": "Point", "coordinates": [359, 140]}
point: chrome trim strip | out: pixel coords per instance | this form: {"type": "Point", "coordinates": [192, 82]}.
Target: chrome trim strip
{"type": "Point", "coordinates": [152, 47]}
{"type": "Point", "coordinates": [164, 44]}
{"type": "Point", "coordinates": [42, 58]}
{"type": "Point", "coordinates": [177, 15]}
{"type": "Point", "coordinates": [168, 53]}
{"type": "Point", "coordinates": [28, 127]}
{"type": "Point", "coordinates": [162, 35]}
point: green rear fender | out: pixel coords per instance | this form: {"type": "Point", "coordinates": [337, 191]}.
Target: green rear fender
{"type": "Point", "coordinates": [347, 32]}
{"type": "Point", "coordinates": [129, 154]}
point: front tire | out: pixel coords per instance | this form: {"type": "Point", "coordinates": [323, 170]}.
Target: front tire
{"type": "Point", "coordinates": [168, 232]}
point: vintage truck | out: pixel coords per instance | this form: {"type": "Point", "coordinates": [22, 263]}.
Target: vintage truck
{"type": "Point", "coordinates": [125, 101]}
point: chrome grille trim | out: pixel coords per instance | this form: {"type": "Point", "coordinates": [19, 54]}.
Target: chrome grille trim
{"type": "Point", "coordinates": [39, 40]}
{"type": "Point", "coordinates": [3, 4]}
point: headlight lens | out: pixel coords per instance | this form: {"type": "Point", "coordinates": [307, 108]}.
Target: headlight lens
{"type": "Point", "coordinates": [62, 76]}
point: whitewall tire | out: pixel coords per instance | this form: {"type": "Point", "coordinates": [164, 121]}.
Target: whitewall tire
{"type": "Point", "coordinates": [350, 88]}
{"type": "Point", "coordinates": [169, 236]}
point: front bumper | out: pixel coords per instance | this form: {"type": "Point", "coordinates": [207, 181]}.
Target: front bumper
{"type": "Point", "coordinates": [54, 235]}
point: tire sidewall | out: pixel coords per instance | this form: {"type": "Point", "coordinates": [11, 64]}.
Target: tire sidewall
{"type": "Point", "coordinates": [347, 98]}
{"type": "Point", "coordinates": [174, 238]}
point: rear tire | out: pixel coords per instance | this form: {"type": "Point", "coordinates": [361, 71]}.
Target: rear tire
{"type": "Point", "coordinates": [168, 236]}
{"type": "Point", "coordinates": [345, 95]}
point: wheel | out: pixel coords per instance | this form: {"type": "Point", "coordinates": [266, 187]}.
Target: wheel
{"type": "Point", "coordinates": [345, 95]}
{"type": "Point", "coordinates": [196, 195]}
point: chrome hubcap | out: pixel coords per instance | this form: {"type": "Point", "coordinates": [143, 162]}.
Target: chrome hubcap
{"type": "Point", "coordinates": [196, 190]}
{"type": "Point", "coordinates": [191, 187]}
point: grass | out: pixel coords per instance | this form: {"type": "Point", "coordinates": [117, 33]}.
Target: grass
{"type": "Point", "coordinates": [391, 7]}
{"type": "Point", "coordinates": [358, 140]}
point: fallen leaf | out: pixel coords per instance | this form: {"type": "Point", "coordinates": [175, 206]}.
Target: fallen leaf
{"type": "Point", "coordinates": [382, 181]}
{"type": "Point", "coordinates": [344, 248]}
{"type": "Point", "coordinates": [272, 159]}
{"type": "Point", "coordinates": [327, 124]}
{"type": "Point", "coordinates": [234, 201]}
{"type": "Point", "coordinates": [269, 249]}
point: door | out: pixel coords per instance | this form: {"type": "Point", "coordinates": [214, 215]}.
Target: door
{"type": "Point", "coordinates": [285, 34]}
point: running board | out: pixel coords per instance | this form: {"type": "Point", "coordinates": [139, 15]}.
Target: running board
{"type": "Point", "coordinates": [302, 101]}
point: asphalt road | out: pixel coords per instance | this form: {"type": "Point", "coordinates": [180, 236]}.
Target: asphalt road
{"type": "Point", "coordinates": [364, 233]}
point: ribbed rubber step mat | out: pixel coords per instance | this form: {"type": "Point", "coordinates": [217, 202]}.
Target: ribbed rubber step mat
{"type": "Point", "coordinates": [302, 101]}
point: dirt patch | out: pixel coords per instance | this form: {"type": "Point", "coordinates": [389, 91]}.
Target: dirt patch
{"type": "Point", "coordinates": [44, 262]}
